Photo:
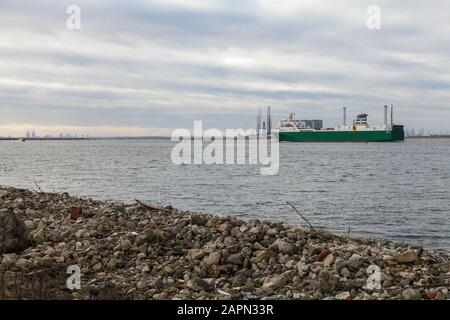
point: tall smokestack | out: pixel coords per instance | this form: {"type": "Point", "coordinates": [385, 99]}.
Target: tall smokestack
{"type": "Point", "coordinates": [386, 115]}
{"type": "Point", "coordinates": [344, 109]}
{"type": "Point", "coordinates": [258, 121]}
{"type": "Point", "coordinates": [269, 121]}
{"type": "Point", "coordinates": [392, 115]}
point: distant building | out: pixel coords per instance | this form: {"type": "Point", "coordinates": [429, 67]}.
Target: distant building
{"type": "Point", "coordinates": [27, 135]}
{"type": "Point", "coordinates": [315, 124]}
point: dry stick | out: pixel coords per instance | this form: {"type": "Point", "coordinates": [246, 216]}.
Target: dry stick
{"type": "Point", "coordinates": [39, 188]}
{"type": "Point", "coordinates": [293, 207]}
{"type": "Point", "coordinates": [430, 285]}
{"type": "Point", "coordinates": [151, 207]}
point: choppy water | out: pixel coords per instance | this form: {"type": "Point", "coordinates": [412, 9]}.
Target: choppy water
{"type": "Point", "coordinates": [399, 191]}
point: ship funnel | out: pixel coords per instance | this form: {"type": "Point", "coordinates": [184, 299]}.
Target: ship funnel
{"type": "Point", "coordinates": [344, 109]}
{"type": "Point", "coordinates": [386, 115]}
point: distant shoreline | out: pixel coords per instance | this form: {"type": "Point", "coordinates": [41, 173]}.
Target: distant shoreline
{"type": "Point", "coordinates": [81, 139]}
{"type": "Point", "coordinates": [163, 138]}
{"type": "Point", "coordinates": [426, 137]}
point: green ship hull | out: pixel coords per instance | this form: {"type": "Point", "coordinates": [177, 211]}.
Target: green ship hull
{"type": "Point", "coordinates": [396, 134]}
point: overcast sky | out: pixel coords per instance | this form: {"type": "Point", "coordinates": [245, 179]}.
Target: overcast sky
{"type": "Point", "coordinates": [145, 67]}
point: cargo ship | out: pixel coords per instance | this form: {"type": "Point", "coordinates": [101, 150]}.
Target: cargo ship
{"type": "Point", "coordinates": [358, 131]}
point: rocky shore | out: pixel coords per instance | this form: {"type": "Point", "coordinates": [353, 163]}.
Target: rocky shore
{"type": "Point", "coordinates": [141, 251]}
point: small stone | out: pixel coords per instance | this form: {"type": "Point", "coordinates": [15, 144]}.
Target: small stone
{"type": "Point", "coordinates": [255, 230]}
{"type": "Point", "coordinates": [141, 285]}
{"type": "Point", "coordinates": [290, 264]}
{"type": "Point", "coordinates": [322, 255]}
{"type": "Point", "coordinates": [345, 273]}
{"type": "Point", "coordinates": [199, 221]}
{"type": "Point", "coordinates": [275, 283]}
{"type": "Point", "coordinates": [343, 296]}
{"type": "Point", "coordinates": [113, 263]}
{"type": "Point", "coordinates": [328, 261]}
{"type": "Point", "coordinates": [223, 227]}
{"type": "Point", "coordinates": [79, 234]}
{"type": "Point", "coordinates": [50, 251]}
{"type": "Point", "coordinates": [97, 267]}
{"type": "Point", "coordinates": [407, 256]}
{"type": "Point", "coordinates": [212, 259]}
{"type": "Point", "coordinates": [197, 254]}
{"type": "Point", "coordinates": [410, 276]}
{"type": "Point", "coordinates": [235, 259]}
{"type": "Point", "coordinates": [125, 245]}
{"type": "Point", "coordinates": [239, 281]}
{"type": "Point", "coordinates": [29, 224]}
{"type": "Point", "coordinates": [431, 295]}
{"type": "Point", "coordinates": [284, 247]}
{"type": "Point", "coordinates": [302, 267]}
{"type": "Point", "coordinates": [440, 295]}
{"type": "Point", "coordinates": [13, 233]}
{"type": "Point", "coordinates": [39, 236]}
{"type": "Point", "coordinates": [339, 264]}
{"type": "Point", "coordinates": [327, 283]}
{"type": "Point", "coordinates": [197, 284]}
{"type": "Point", "coordinates": [410, 294]}
{"type": "Point", "coordinates": [355, 261]}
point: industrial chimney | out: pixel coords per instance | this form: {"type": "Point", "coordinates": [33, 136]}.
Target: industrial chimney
{"type": "Point", "coordinates": [258, 122]}
{"type": "Point", "coordinates": [269, 122]}
{"type": "Point", "coordinates": [392, 115]}
{"type": "Point", "coordinates": [345, 115]}
{"type": "Point", "coordinates": [386, 116]}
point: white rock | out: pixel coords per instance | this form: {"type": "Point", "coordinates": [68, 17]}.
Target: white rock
{"type": "Point", "coordinates": [342, 295]}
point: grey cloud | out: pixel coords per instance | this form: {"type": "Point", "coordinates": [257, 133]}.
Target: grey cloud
{"type": "Point", "coordinates": [146, 63]}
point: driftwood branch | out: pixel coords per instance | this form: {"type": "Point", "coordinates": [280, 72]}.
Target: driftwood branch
{"type": "Point", "coordinates": [39, 188]}
{"type": "Point", "coordinates": [298, 212]}
{"type": "Point", "coordinates": [150, 207]}
{"type": "Point", "coordinates": [431, 285]}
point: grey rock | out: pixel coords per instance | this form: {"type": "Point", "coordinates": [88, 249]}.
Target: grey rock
{"type": "Point", "coordinates": [284, 246]}
{"type": "Point", "coordinates": [339, 264]}
{"type": "Point", "coordinates": [410, 294]}
{"type": "Point", "coordinates": [197, 284]}
{"type": "Point", "coordinates": [197, 254]}
{"type": "Point", "coordinates": [212, 259]}
{"type": "Point", "coordinates": [276, 282]}
{"type": "Point", "coordinates": [235, 259]}
{"type": "Point", "coordinates": [355, 261]}
{"type": "Point", "coordinates": [327, 282]}
{"type": "Point", "coordinates": [13, 233]}
{"type": "Point", "coordinates": [345, 273]}
{"type": "Point", "coordinates": [406, 256]}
